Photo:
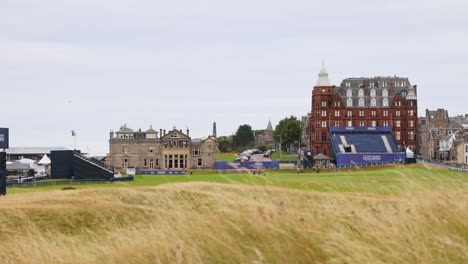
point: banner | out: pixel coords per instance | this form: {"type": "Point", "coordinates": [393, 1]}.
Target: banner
{"type": "Point", "coordinates": [4, 138]}
{"type": "Point", "coordinates": [344, 159]}
{"type": "Point", "coordinates": [250, 165]}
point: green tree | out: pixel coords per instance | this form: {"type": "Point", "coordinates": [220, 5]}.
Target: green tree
{"type": "Point", "coordinates": [225, 143]}
{"type": "Point", "coordinates": [288, 132]}
{"type": "Point", "coordinates": [243, 137]}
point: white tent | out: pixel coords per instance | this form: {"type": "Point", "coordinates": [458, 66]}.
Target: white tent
{"type": "Point", "coordinates": [44, 161]}
{"type": "Point", "coordinates": [409, 153]}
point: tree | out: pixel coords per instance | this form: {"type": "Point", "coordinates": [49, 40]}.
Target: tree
{"type": "Point", "coordinates": [243, 137]}
{"type": "Point", "coordinates": [225, 144]}
{"type": "Point", "coordinates": [288, 132]}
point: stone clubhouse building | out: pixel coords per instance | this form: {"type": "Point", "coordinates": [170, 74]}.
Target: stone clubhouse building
{"type": "Point", "coordinates": [164, 151]}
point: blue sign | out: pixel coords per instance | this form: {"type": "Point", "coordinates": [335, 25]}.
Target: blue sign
{"type": "Point", "coordinates": [161, 172]}
{"type": "Point", "coordinates": [4, 138]}
{"type": "Point", "coordinates": [250, 165]}
{"type": "Point", "coordinates": [344, 159]}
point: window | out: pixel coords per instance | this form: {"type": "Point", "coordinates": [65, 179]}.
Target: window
{"type": "Point", "coordinates": [337, 123]}
{"type": "Point", "coordinates": [371, 84]}
{"type": "Point", "coordinates": [361, 123]}
{"type": "Point", "coordinates": [372, 93]}
{"type": "Point", "coordinates": [349, 93]}
{"type": "Point", "coordinates": [411, 123]}
{"type": "Point", "coordinates": [398, 123]}
{"type": "Point", "coordinates": [324, 136]}
{"type": "Point", "coordinates": [398, 135]}
{"type": "Point", "coordinates": [385, 123]}
{"type": "Point", "coordinates": [174, 135]}
{"type": "Point", "coordinates": [151, 149]}
{"type": "Point", "coordinates": [317, 114]}
{"type": "Point", "coordinates": [438, 132]}
{"type": "Point", "coordinates": [337, 113]}
{"type": "Point", "coordinates": [373, 102]}
{"type": "Point", "coordinates": [373, 113]}
{"type": "Point", "coordinates": [385, 113]}
{"type": "Point", "coordinates": [324, 123]}
{"type": "Point", "coordinates": [411, 135]}
{"type": "Point", "coordinates": [157, 163]}
{"type": "Point", "coordinates": [397, 113]}
{"type": "Point", "coordinates": [374, 123]}
{"type": "Point", "coordinates": [125, 163]}
{"type": "Point", "coordinates": [324, 104]}
{"type": "Point", "coordinates": [199, 163]}
{"type": "Point", "coordinates": [324, 113]}
{"type": "Point", "coordinates": [350, 113]}
{"type": "Point", "coordinates": [397, 103]}
{"type": "Point", "coordinates": [361, 93]}
{"type": "Point", "coordinates": [348, 84]}
{"type": "Point", "coordinates": [361, 102]}
{"type": "Point", "coordinates": [317, 125]}
{"type": "Point", "coordinates": [170, 162]}
{"type": "Point", "coordinates": [145, 163]}
{"type": "Point", "coordinates": [349, 123]}
{"type": "Point", "coordinates": [466, 148]}
{"type": "Point", "coordinates": [410, 112]}
{"type": "Point", "coordinates": [151, 164]}
{"type": "Point", "coordinates": [196, 151]}
{"type": "Point", "coordinates": [337, 104]}
{"type": "Point", "coordinates": [125, 149]}
{"type": "Point", "coordinates": [361, 113]}
{"type": "Point", "coordinates": [385, 102]}
{"type": "Point", "coordinates": [349, 102]}
{"type": "Point", "coordinates": [385, 93]}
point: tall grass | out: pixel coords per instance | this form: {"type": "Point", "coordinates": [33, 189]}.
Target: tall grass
{"type": "Point", "coordinates": [229, 223]}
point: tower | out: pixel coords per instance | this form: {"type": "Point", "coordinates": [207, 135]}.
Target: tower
{"type": "Point", "coordinates": [319, 123]}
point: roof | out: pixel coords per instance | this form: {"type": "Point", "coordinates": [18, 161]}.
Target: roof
{"type": "Point", "coordinates": [323, 77]}
{"type": "Point", "coordinates": [125, 129]}
{"type": "Point", "coordinates": [32, 150]}
{"type": "Point", "coordinates": [17, 165]}
{"type": "Point", "coordinates": [269, 127]}
{"type": "Point", "coordinates": [44, 161]}
{"type": "Point", "coordinates": [151, 130]}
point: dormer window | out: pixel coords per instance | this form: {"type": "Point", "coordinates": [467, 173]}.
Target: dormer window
{"type": "Point", "coordinates": [174, 135]}
{"type": "Point", "coordinates": [384, 92]}
{"type": "Point", "coordinates": [349, 93]}
{"type": "Point", "coordinates": [361, 93]}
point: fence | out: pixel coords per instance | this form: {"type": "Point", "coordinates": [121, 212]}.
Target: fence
{"type": "Point", "coordinates": [65, 182]}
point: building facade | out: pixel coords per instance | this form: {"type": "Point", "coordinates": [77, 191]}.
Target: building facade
{"type": "Point", "coordinates": [432, 128]}
{"type": "Point", "coordinates": [265, 137]}
{"type": "Point", "coordinates": [363, 102]}
{"type": "Point", "coordinates": [151, 151]}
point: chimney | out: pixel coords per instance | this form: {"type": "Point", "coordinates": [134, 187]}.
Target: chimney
{"type": "Point", "coordinates": [160, 132]}
{"type": "Point", "coordinates": [164, 131]}
{"type": "Point", "coordinates": [188, 132]}
{"type": "Point", "coordinates": [111, 134]}
{"type": "Point", "coordinates": [214, 129]}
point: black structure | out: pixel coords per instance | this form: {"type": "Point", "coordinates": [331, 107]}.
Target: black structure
{"type": "Point", "coordinates": [4, 140]}
{"type": "Point", "coordinates": [2, 173]}
{"type": "Point", "coordinates": [69, 164]}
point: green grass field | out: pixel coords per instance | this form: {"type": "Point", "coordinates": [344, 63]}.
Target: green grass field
{"type": "Point", "coordinates": [283, 157]}
{"type": "Point", "coordinates": [227, 156]}
{"type": "Point", "coordinates": [379, 180]}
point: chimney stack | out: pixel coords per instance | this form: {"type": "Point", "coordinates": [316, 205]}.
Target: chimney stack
{"type": "Point", "coordinates": [188, 132]}
{"type": "Point", "coordinates": [164, 131]}
{"type": "Point", "coordinates": [214, 129]}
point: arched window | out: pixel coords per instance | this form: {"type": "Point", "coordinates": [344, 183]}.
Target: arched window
{"type": "Point", "coordinates": [361, 93]}
{"type": "Point", "coordinates": [349, 102]}
{"type": "Point", "coordinates": [372, 93]}
{"type": "Point", "coordinates": [361, 102]}
{"type": "Point", "coordinates": [385, 93]}
{"type": "Point", "coordinates": [385, 102]}
{"type": "Point", "coordinates": [349, 93]}
{"type": "Point", "coordinates": [373, 102]}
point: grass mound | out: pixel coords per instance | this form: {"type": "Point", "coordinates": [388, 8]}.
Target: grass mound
{"type": "Point", "coordinates": [228, 223]}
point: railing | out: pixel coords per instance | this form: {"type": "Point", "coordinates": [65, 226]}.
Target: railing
{"type": "Point", "coordinates": [55, 183]}
{"type": "Point", "coordinates": [66, 182]}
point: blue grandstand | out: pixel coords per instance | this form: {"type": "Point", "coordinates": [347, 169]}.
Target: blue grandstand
{"type": "Point", "coordinates": [364, 145]}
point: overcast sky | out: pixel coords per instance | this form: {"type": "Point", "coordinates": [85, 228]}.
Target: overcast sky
{"type": "Point", "coordinates": [91, 66]}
